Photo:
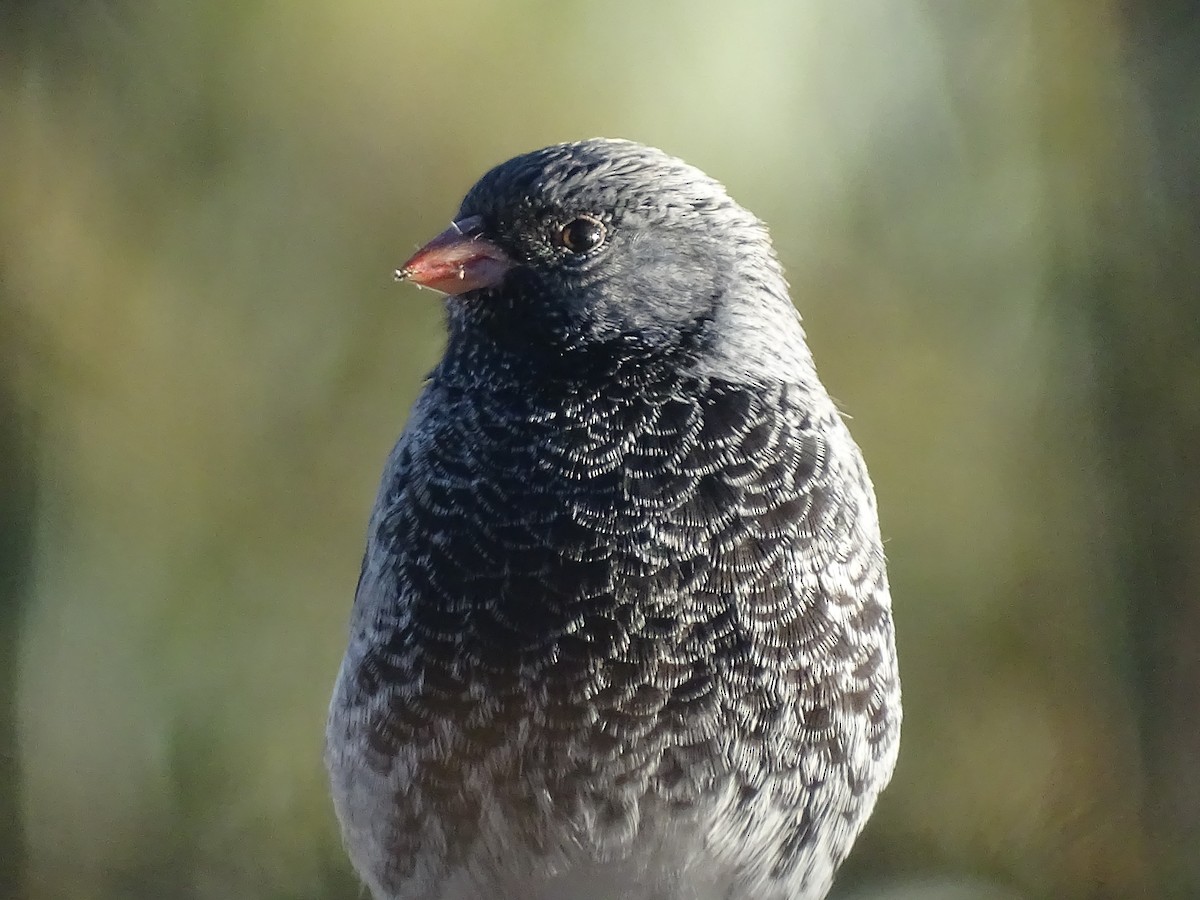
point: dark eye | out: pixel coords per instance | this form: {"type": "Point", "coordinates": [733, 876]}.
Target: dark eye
{"type": "Point", "coordinates": [582, 234]}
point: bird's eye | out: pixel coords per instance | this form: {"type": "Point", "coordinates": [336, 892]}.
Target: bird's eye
{"type": "Point", "coordinates": [582, 234]}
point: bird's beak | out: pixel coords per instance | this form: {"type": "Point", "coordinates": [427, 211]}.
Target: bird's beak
{"type": "Point", "coordinates": [458, 260]}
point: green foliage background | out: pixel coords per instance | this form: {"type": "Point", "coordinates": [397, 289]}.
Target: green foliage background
{"type": "Point", "coordinates": [989, 214]}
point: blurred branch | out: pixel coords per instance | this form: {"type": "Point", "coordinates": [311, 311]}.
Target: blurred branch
{"type": "Point", "coordinates": [17, 504]}
{"type": "Point", "coordinates": [1147, 331]}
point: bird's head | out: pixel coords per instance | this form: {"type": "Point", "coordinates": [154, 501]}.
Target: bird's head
{"type": "Point", "coordinates": [607, 243]}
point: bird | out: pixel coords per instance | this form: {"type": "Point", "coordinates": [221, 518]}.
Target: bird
{"type": "Point", "coordinates": [623, 627]}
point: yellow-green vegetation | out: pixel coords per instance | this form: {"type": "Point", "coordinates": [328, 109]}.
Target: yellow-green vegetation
{"type": "Point", "coordinates": [983, 211]}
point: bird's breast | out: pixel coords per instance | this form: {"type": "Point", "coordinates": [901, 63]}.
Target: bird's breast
{"type": "Point", "coordinates": [632, 562]}
{"type": "Point", "coordinates": [652, 605]}
{"type": "Point", "coordinates": [530, 531]}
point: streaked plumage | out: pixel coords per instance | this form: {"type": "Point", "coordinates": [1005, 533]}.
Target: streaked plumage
{"type": "Point", "coordinates": [623, 628]}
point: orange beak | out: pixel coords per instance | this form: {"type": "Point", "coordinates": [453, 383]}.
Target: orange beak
{"type": "Point", "coordinates": [458, 260]}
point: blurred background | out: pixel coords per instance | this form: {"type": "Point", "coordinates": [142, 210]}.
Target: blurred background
{"type": "Point", "coordinates": [990, 216]}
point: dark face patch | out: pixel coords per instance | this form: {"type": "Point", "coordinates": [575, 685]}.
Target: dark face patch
{"type": "Point", "coordinates": [613, 242]}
